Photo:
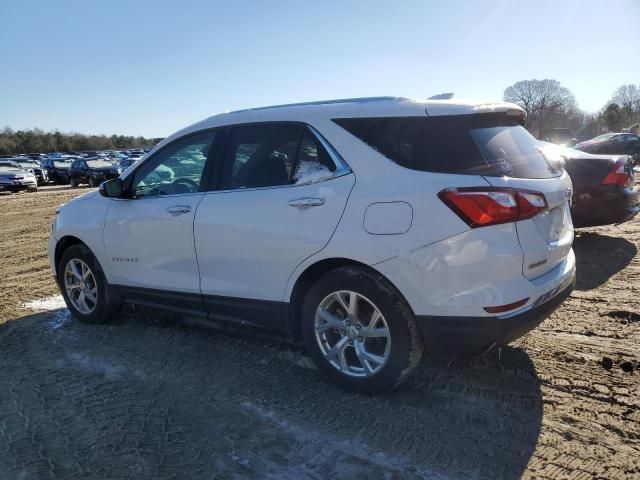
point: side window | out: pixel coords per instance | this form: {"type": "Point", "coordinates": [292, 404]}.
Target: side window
{"type": "Point", "coordinates": [261, 156]}
{"type": "Point", "coordinates": [274, 154]}
{"type": "Point", "coordinates": [176, 169]}
{"type": "Point", "coordinates": [313, 162]}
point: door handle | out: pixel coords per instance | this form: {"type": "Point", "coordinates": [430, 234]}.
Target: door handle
{"type": "Point", "coordinates": [178, 210]}
{"type": "Point", "coordinates": [307, 202]}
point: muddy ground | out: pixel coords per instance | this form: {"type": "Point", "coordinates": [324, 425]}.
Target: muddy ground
{"type": "Point", "coordinates": [147, 397]}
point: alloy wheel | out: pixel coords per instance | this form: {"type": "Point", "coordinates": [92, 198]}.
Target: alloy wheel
{"type": "Point", "coordinates": [352, 334]}
{"type": "Point", "coordinates": [80, 285]}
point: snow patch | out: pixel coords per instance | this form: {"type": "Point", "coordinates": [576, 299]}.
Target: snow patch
{"type": "Point", "coordinates": [328, 445]}
{"type": "Point", "coordinates": [55, 302]}
{"type": "Point", "coordinates": [58, 320]}
{"type": "Point", "coordinates": [297, 359]}
{"type": "Point", "coordinates": [108, 368]}
{"type": "Point", "coordinates": [311, 172]}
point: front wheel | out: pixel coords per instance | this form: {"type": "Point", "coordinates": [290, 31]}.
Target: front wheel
{"type": "Point", "coordinates": [84, 287]}
{"type": "Point", "coordinates": [359, 331]}
{"type": "Point", "coordinates": [93, 183]}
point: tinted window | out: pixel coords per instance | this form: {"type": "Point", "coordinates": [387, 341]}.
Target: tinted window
{"type": "Point", "coordinates": [313, 162]}
{"type": "Point", "coordinates": [176, 169]}
{"type": "Point", "coordinates": [261, 156]}
{"type": "Point", "coordinates": [489, 144]}
{"type": "Point", "coordinates": [270, 155]}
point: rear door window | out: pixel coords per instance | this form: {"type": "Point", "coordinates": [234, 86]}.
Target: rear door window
{"type": "Point", "coordinates": [490, 144]}
{"type": "Point", "coordinates": [270, 155]}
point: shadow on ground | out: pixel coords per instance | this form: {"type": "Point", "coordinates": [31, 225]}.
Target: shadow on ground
{"type": "Point", "coordinates": [599, 257]}
{"type": "Point", "coordinates": [156, 399]}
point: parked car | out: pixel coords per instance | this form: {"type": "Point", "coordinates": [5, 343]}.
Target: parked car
{"type": "Point", "coordinates": [604, 190]}
{"type": "Point", "coordinates": [559, 136]}
{"type": "Point", "coordinates": [34, 166]}
{"type": "Point", "coordinates": [92, 171]}
{"type": "Point", "coordinates": [13, 178]}
{"type": "Point", "coordinates": [57, 169]}
{"type": "Point", "coordinates": [127, 162]}
{"type": "Point", "coordinates": [274, 231]}
{"type": "Point", "coordinates": [613, 144]}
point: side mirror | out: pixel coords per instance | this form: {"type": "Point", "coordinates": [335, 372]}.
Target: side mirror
{"type": "Point", "coordinates": [111, 188]}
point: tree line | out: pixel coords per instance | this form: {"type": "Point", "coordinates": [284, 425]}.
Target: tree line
{"type": "Point", "coordinates": [39, 141]}
{"type": "Point", "coordinates": [550, 105]}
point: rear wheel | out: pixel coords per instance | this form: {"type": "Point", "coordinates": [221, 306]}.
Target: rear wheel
{"type": "Point", "coordinates": [84, 287]}
{"type": "Point", "coordinates": [73, 183]}
{"type": "Point", "coordinates": [359, 331]}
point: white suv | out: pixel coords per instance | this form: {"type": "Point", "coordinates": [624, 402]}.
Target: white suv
{"type": "Point", "coordinates": [371, 229]}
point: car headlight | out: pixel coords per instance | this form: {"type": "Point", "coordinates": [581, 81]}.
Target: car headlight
{"type": "Point", "coordinates": [119, 170]}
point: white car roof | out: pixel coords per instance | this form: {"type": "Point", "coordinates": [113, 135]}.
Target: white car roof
{"type": "Point", "coordinates": [346, 108]}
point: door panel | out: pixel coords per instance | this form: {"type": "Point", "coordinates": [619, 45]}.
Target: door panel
{"type": "Point", "coordinates": [250, 241]}
{"type": "Point", "coordinates": [149, 242]}
{"type": "Point", "coordinates": [149, 237]}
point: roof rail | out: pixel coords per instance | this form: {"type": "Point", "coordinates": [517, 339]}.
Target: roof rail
{"type": "Point", "coordinates": [323, 102]}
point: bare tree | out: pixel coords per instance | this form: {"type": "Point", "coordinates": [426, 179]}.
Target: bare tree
{"type": "Point", "coordinates": [547, 103]}
{"type": "Point", "coordinates": [627, 97]}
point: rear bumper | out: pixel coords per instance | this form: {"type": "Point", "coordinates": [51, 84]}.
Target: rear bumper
{"type": "Point", "coordinates": [605, 206]}
{"type": "Point", "coordinates": [454, 337]}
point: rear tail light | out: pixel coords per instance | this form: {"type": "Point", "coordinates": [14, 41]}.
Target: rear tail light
{"type": "Point", "coordinates": [619, 175]}
{"type": "Point", "coordinates": [481, 207]}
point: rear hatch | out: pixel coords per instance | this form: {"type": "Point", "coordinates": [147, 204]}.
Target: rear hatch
{"type": "Point", "coordinates": [511, 180]}
{"type": "Point", "coordinates": [518, 163]}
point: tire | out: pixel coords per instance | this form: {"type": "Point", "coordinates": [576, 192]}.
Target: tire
{"type": "Point", "coordinates": [73, 183]}
{"type": "Point", "coordinates": [92, 182]}
{"type": "Point", "coordinates": [401, 348]}
{"type": "Point", "coordinates": [106, 303]}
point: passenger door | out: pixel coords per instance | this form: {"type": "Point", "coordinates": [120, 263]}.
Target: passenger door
{"type": "Point", "coordinates": [80, 172]}
{"type": "Point", "coordinates": [149, 236]}
{"type": "Point", "coordinates": [281, 196]}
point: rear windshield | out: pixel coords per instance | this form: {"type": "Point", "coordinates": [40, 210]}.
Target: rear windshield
{"type": "Point", "coordinates": [486, 144]}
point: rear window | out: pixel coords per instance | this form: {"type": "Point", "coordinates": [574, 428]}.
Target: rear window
{"type": "Point", "coordinates": [488, 144]}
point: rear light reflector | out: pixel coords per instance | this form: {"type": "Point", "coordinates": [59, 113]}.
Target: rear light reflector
{"type": "Point", "coordinates": [618, 175]}
{"type": "Point", "coordinates": [481, 207]}
{"type": "Point", "coordinates": [506, 308]}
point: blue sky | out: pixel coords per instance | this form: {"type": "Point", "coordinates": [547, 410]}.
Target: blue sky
{"type": "Point", "coordinates": [152, 67]}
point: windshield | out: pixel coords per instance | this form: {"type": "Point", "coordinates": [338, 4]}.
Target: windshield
{"type": "Point", "coordinates": [62, 163]}
{"type": "Point", "coordinates": [605, 136]}
{"type": "Point", "coordinates": [8, 168]}
{"type": "Point", "coordinates": [99, 164]}
{"type": "Point", "coordinates": [28, 164]}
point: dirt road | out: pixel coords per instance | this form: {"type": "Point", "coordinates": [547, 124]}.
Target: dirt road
{"type": "Point", "coordinates": [147, 397]}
